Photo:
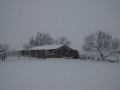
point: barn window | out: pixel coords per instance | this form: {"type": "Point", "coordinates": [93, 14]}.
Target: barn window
{"type": "Point", "coordinates": [66, 51]}
{"type": "Point", "coordinates": [69, 51]}
{"type": "Point", "coordinates": [51, 52]}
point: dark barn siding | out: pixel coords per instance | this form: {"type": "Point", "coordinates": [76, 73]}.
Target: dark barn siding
{"type": "Point", "coordinates": [63, 51]}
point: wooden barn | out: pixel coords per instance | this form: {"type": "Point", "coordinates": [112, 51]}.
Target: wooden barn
{"type": "Point", "coordinates": [51, 51]}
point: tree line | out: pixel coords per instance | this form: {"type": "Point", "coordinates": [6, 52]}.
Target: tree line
{"type": "Point", "coordinates": [42, 39]}
{"type": "Point", "coordinates": [99, 42]}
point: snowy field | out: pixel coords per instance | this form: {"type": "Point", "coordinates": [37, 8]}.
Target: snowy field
{"type": "Point", "coordinates": [58, 74]}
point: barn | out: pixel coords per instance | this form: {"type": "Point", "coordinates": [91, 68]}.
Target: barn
{"type": "Point", "coordinates": [51, 51]}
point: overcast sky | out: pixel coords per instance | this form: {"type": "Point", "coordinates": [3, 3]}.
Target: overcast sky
{"type": "Point", "coordinates": [74, 19]}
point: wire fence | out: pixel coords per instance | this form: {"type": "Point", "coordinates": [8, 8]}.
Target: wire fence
{"type": "Point", "coordinates": [14, 56]}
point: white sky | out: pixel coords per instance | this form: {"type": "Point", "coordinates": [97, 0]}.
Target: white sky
{"type": "Point", "coordinates": [74, 19]}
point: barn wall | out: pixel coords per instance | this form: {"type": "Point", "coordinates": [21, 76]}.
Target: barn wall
{"type": "Point", "coordinates": [61, 52]}
{"type": "Point", "coordinates": [38, 53]}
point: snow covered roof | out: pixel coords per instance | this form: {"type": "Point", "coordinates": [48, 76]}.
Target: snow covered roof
{"type": "Point", "coordinates": [46, 47]}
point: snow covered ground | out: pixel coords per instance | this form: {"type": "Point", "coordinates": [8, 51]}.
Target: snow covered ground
{"type": "Point", "coordinates": [58, 74]}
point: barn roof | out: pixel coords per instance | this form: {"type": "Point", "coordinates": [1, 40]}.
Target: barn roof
{"type": "Point", "coordinates": [46, 47]}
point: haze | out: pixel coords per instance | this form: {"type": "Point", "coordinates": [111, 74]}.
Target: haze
{"type": "Point", "coordinates": [74, 19]}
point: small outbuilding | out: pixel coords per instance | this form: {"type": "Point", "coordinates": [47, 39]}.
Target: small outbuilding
{"type": "Point", "coordinates": [51, 51]}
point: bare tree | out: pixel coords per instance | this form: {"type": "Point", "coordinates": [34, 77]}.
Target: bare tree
{"type": "Point", "coordinates": [102, 43]}
{"type": "Point", "coordinates": [31, 41]}
{"type": "Point", "coordinates": [63, 40]}
{"type": "Point", "coordinates": [26, 45]}
{"type": "Point", "coordinates": [40, 40]}
{"type": "Point", "coordinates": [56, 42]}
{"type": "Point", "coordinates": [43, 39]}
{"type": "Point", "coordinates": [47, 39]}
{"type": "Point", "coordinates": [4, 47]}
